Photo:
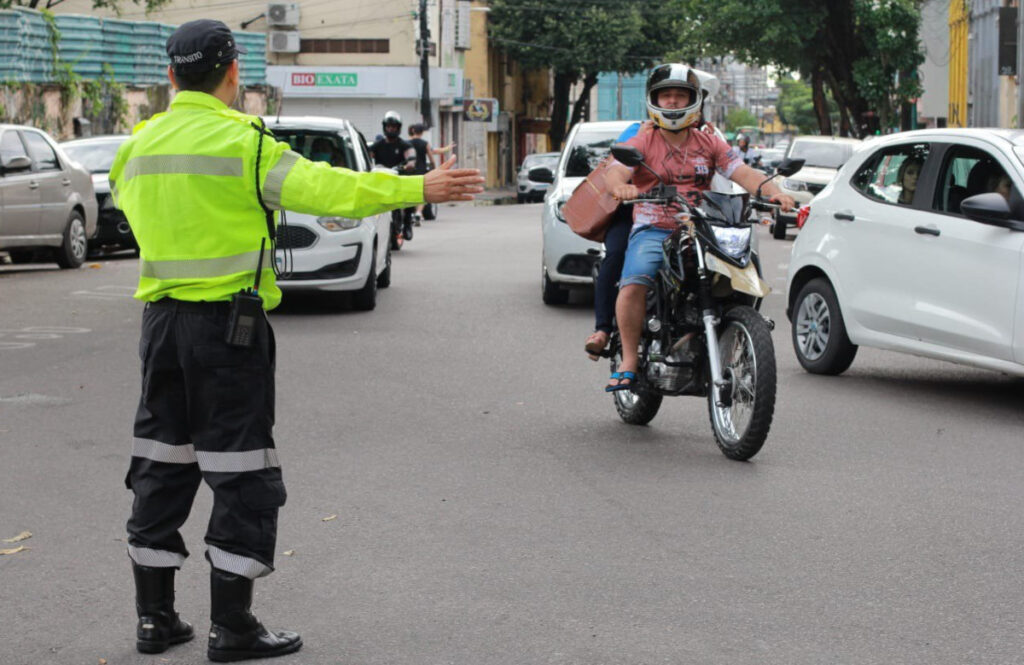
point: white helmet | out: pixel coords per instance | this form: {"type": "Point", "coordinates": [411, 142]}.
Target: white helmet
{"type": "Point", "coordinates": [395, 121]}
{"type": "Point", "coordinates": [674, 75]}
{"type": "Point", "coordinates": [708, 83]}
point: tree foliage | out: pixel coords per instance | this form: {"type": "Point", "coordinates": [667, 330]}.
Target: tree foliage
{"type": "Point", "coordinates": [739, 117]}
{"type": "Point", "coordinates": [115, 5]}
{"type": "Point", "coordinates": [577, 40]}
{"type": "Point", "coordinates": [865, 52]}
{"type": "Point", "coordinates": [796, 105]}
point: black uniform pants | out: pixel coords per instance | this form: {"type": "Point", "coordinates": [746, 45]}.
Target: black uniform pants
{"type": "Point", "coordinates": [206, 413]}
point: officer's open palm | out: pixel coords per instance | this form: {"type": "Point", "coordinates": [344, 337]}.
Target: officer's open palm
{"type": "Point", "coordinates": [447, 184]}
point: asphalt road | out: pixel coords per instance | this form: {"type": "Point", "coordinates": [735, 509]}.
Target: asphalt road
{"type": "Point", "coordinates": [488, 507]}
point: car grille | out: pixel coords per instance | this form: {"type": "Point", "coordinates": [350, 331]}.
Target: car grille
{"type": "Point", "coordinates": [332, 271]}
{"type": "Point", "coordinates": [814, 188]}
{"type": "Point", "coordinates": [294, 237]}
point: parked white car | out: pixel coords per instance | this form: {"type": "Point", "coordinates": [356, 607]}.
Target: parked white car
{"type": "Point", "coordinates": [333, 254]}
{"type": "Point", "coordinates": [916, 246]}
{"type": "Point", "coordinates": [568, 260]}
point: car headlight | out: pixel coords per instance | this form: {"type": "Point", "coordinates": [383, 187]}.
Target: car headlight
{"type": "Point", "coordinates": [794, 185]}
{"type": "Point", "coordinates": [734, 241]}
{"type": "Point", "coordinates": [338, 223]}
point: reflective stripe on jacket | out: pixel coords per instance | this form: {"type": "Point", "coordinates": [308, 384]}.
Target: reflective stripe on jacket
{"type": "Point", "coordinates": [186, 181]}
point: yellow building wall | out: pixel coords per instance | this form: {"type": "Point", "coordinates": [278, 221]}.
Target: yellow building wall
{"type": "Point", "coordinates": [959, 20]}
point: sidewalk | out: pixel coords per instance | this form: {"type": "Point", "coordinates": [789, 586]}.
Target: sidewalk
{"type": "Point", "coordinates": [496, 196]}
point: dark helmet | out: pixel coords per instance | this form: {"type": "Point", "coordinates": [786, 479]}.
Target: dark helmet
{"type": "Point", "coordinates": [674, 75]}
{"type": "Point", "coordinates": [392, 124]}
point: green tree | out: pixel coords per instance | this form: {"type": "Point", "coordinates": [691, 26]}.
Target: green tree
{"type": "Point", "coordinates": [796, 105]}
{"type": "Point", "coordinates": [577, 40]}
{"type": "Point", "coordinates": [115, 5]}
{"type": "Point", "coordinates": [737, 118]}
{"type": "Point", "coordinates": [862, 51]}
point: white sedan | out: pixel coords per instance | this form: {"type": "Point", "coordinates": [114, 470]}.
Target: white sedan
{"type": "Point", "coordinates": [332, 254]}
{"type": "Point", "coordinates": [916, 246]}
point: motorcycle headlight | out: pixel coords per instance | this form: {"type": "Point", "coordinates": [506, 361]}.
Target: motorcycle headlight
{"type": "Point", "coordinates": [794, 185]}
{"type": "Point", "coordinates": [338, 223]}
{"type": "Point", "coordinates": [733, 241]}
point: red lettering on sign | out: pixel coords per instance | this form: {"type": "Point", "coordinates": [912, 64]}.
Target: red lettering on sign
{"type": "Point", "coordinates": [303, 78]}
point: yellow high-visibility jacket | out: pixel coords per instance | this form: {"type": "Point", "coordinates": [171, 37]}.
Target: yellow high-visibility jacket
{"type": "Point", "coordinates": [186, 181]}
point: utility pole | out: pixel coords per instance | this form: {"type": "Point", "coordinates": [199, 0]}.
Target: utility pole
{"type": "Point", "coordinates": [425, 65]}
{"type": "Point", "coordinates": [618, 99]}
{"type": "Point", "coordinates": [1020, 66]}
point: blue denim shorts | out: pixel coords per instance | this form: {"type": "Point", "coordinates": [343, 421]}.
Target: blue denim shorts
{"type": "Point", "coordinates": [643, 256]}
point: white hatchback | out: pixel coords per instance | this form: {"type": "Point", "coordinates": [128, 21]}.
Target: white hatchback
{"type": "Point", "coordinates": [332, 254]}
{"type": "Point", "coordinates": [916, 246]}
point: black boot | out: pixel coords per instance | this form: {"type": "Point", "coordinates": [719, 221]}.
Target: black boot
{"type": "Point", "coordinates": [159, 625]}
{"type": "Point", "coordinates": [236, 634]}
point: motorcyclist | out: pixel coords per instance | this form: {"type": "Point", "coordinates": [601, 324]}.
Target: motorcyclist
{"type": "Point", "coordinates": [617, 236]}
{"type": "Point", "coordinates": [681, 157]}
{"type": "Point", "coordinates": [751, 155]}
{"type": "Point", "coordinates": [394, 152]}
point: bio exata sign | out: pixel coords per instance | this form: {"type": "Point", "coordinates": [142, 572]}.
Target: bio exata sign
{"type": "Point", "coordinates": [325, 79]}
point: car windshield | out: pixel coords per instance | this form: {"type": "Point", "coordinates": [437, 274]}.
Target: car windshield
{"type": "Point", "coordinates": [533, 161]}
{"type": "Point", "coordinates": [97, 156]}
{"type": "Point", "coordinates": [334, 148]}
{"type": "Point", "coordinates": [588, 149]}
{"type": "Point", "coordinates": [821, 154]}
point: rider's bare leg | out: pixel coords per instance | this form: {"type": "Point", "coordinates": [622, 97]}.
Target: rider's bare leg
{"type": "Point", "coordinates": [629, 313]}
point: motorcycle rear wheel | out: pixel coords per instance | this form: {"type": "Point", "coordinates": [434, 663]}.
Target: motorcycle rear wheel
{"type": "Point", "coordinates": [638, 406]}
{"type": "Point", "coordinates": [748, 361]}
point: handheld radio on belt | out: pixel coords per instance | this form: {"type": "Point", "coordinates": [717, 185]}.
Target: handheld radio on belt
{"type": "Point", "coordinates": [246, 308]}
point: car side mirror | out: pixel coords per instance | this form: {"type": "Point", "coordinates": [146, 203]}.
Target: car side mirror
{"type": "Point", "coordinates": [627, 155]}
{"type": "Point", "coordinates": [991, 208]}
{"type": "Point", "coordinates": [19, 163]}
{"type": "Point", "coordinates": [788, 166]}
{"type": "Point", "coordinates": [541, 174]}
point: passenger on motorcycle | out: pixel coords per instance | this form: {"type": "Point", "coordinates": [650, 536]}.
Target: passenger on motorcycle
{"type": "Point", "coordinates": [683, 157]}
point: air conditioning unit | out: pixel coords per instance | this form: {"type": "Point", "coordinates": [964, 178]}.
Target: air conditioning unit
{"type": "Point", "coordinates": [284, 41]}
{"type": "Point", "coordinates": [462, 24]}
{"type": "Point", "coordinates": [283, 14]}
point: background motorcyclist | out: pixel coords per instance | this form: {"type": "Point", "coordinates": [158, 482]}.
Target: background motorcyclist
{"type": "Point", "coordinates": [681, 157]}
{"type": "Point", "coordinates": [751, 155]}
{"type": "Point", "coordinates": [394, 152]}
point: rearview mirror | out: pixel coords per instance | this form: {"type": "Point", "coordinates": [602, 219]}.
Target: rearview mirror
{"type": "Point", "coordinates": [19, 163]}
{"type": "Point", "coordinates": [788, 166]}
{"type": "Point", "coordinates": [992, 209]}
{"type": "Point", "coordinates": [541, 174]}
{"type": "Point", "coordinates": [627, 155]}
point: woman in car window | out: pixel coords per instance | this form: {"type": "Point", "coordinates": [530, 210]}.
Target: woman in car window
{"type": "Point", "coordinates": [907, 176]}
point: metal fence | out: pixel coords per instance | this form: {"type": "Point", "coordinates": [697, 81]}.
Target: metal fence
{"type": "Point", "coordinates": [133, 50]}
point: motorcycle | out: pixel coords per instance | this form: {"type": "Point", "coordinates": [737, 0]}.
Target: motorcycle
{"type": "Point", "coordinates": [704, 335]}
{"type": "Point", "coordinates": [401, 227]}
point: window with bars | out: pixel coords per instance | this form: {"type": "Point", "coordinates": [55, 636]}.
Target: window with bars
{"type": "Point", "coordinates": [345, 46]}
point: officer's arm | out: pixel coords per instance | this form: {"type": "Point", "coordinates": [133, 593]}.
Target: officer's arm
{"type": "Point", "coordinates": [292, 182]}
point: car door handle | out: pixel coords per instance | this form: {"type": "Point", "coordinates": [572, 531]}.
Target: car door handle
{"type": "Point", "coordinates": [65, 182]}
{"type": "Point", "coordinates": [927, 230]}
{"type": "Point", "coordinates": [33, 185]}
{"type": "Point", "coordinates": [845, 216]}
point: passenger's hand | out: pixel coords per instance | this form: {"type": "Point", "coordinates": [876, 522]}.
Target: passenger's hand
{"type": "Point", "coordinates": [447, 184]}
{"type": "Point", "coordinates": [625, 192]}
{"type": "Point", "coordinates": [785, 201]}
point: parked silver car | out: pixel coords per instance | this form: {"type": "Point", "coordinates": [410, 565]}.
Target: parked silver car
{"type": "Point", "coordinates": [47, 204]}
{"type": "Point", "coordinates": [97, 155]}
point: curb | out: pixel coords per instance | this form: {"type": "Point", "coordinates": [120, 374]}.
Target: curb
{"type": "Point", "coordinates": [499, 201]}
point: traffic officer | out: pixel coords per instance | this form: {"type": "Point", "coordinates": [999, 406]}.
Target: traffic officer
{"type": "Point", "coordinates": [199, 185]}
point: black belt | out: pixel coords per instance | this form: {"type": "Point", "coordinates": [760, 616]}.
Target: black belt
{"type": "Point", "coordinates": [199, 307]}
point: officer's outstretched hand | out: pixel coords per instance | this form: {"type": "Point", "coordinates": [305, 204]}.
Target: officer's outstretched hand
{"type": "Point", "coordinates": [447, 184]}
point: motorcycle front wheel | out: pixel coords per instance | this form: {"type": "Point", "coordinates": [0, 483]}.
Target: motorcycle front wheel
{"type": "Point", "coordinates": [747, 354]}
{"type": "Point", "coordinates": [638, 406]}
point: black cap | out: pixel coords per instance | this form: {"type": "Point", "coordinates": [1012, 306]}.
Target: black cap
{"type": "Point", "coordinates": [202, 46]}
